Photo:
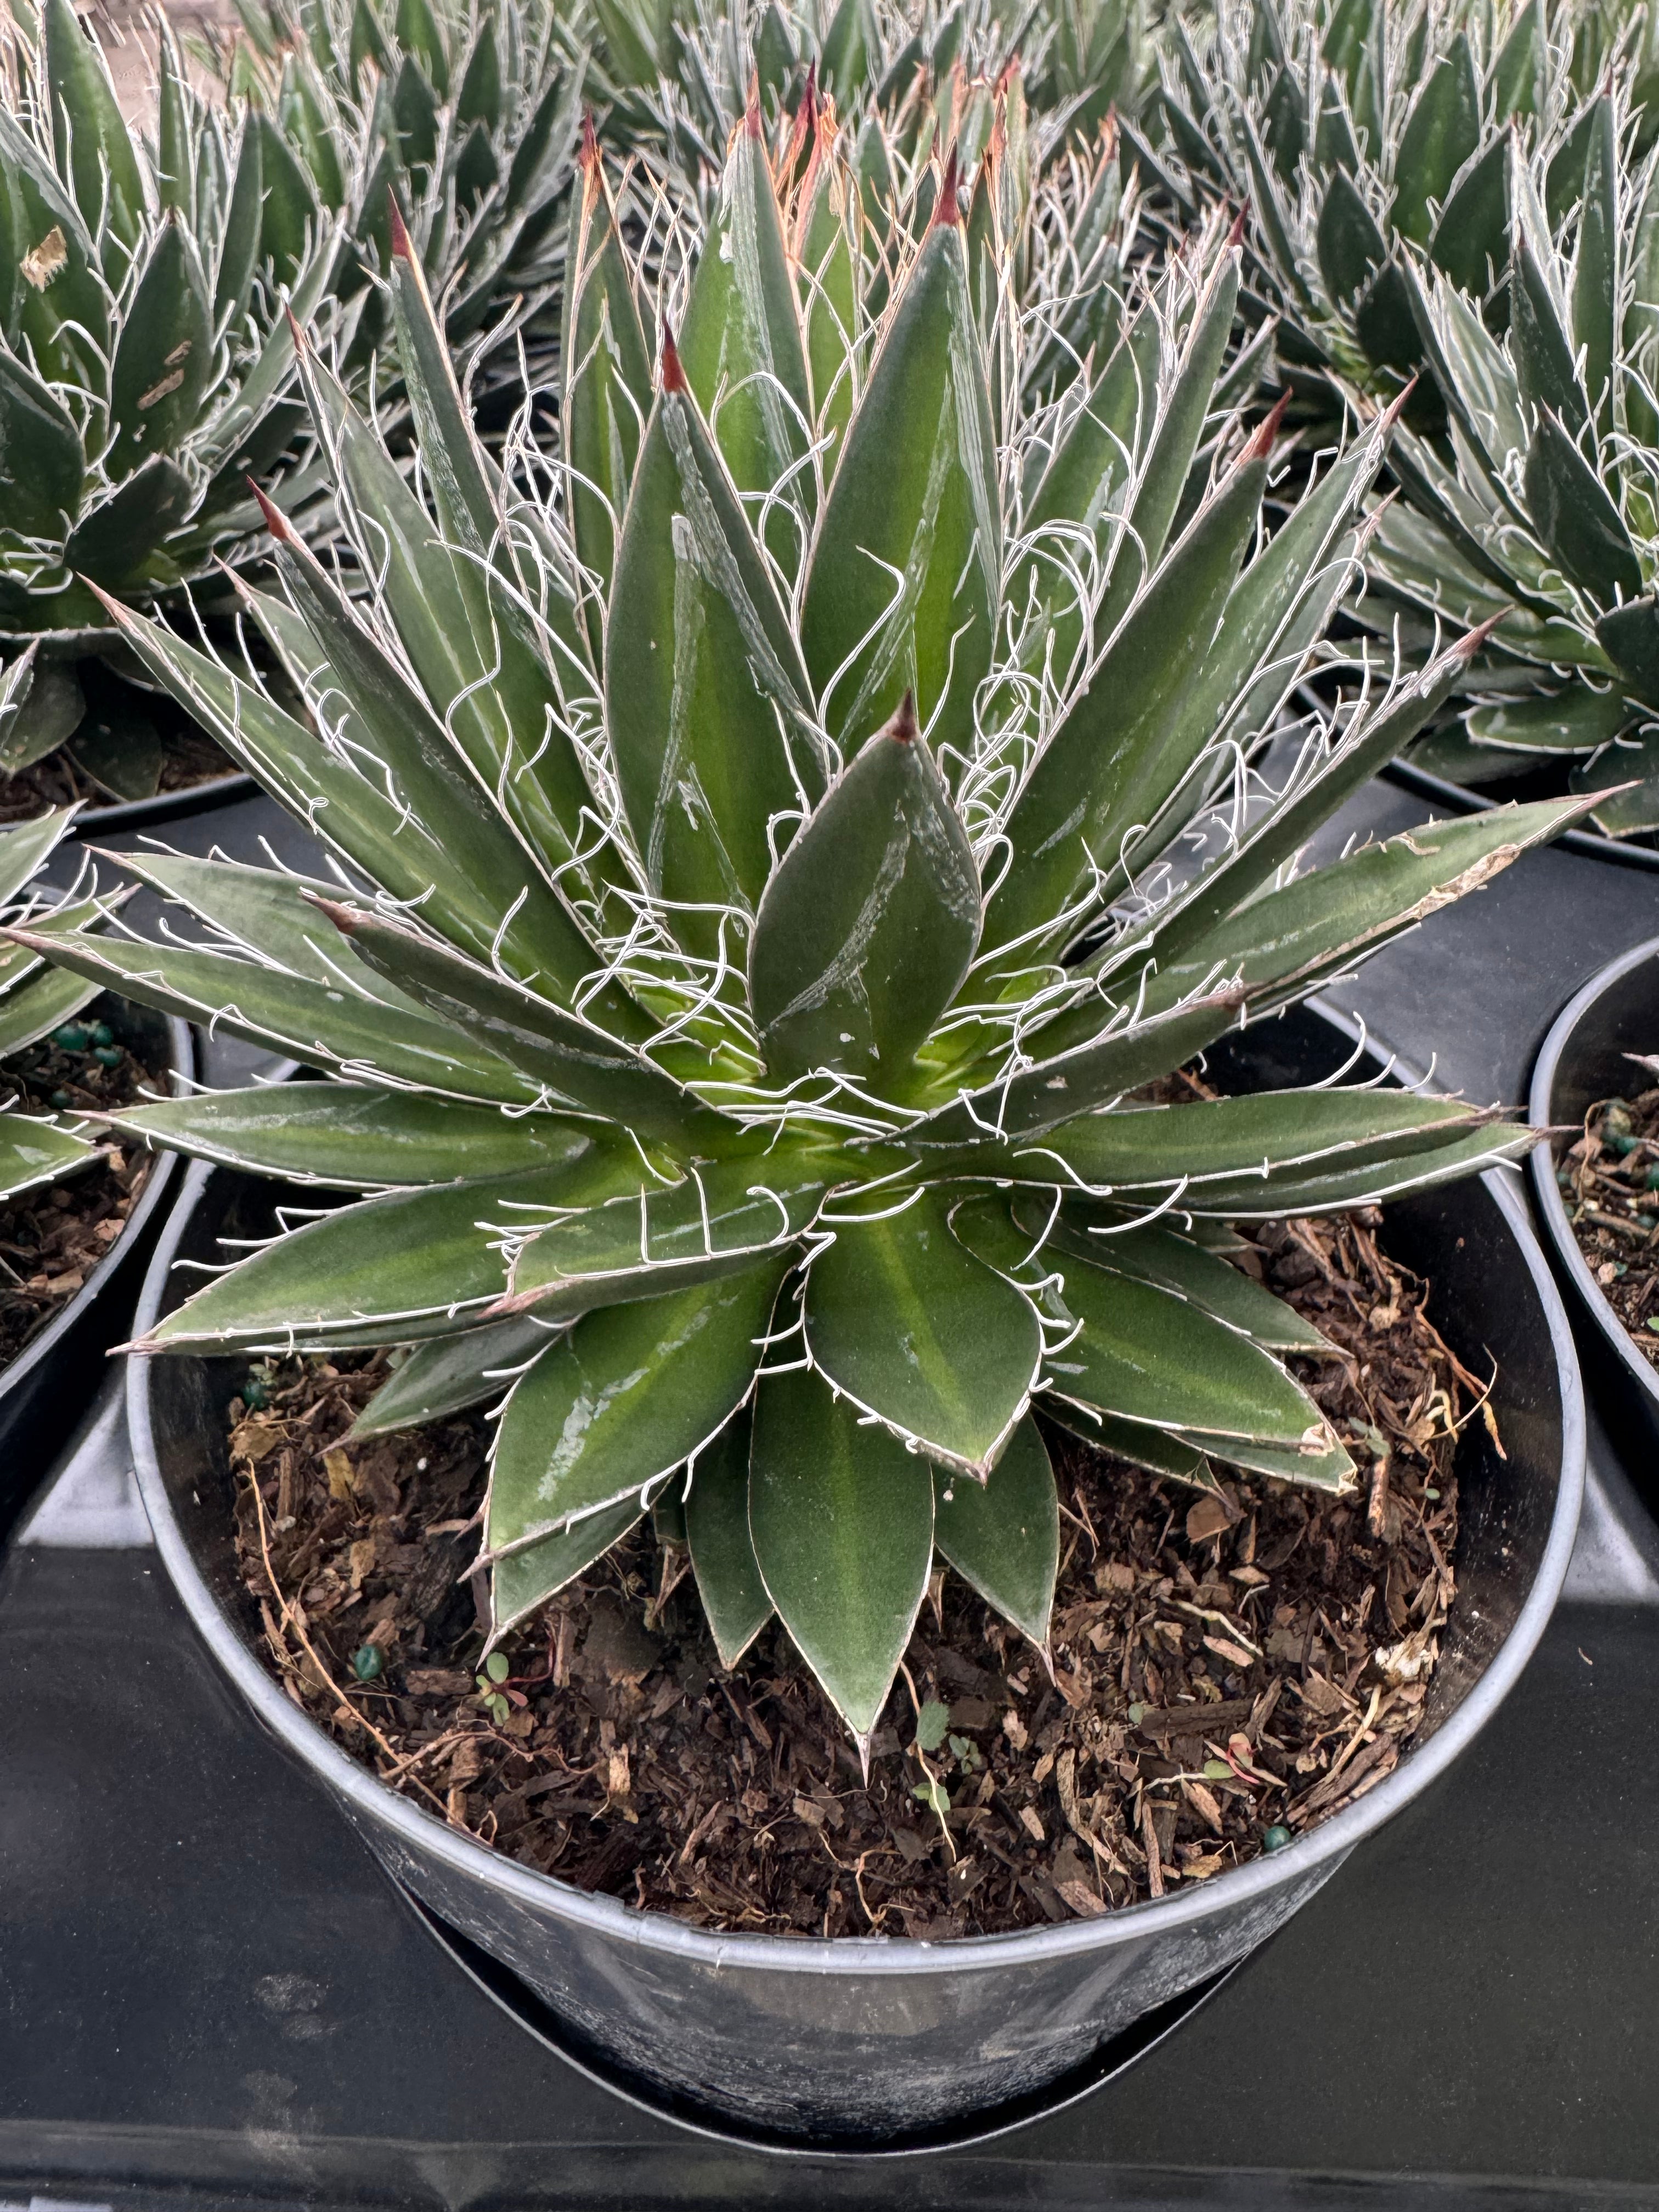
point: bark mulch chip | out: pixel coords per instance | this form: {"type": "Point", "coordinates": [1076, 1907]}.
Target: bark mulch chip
{"type": "Point", "coordinates": [1229, 1668]}
{"type": "Point", "coordinates": [52, 1237]}
{"type": "Point", "coordinates": [1610, 1181]}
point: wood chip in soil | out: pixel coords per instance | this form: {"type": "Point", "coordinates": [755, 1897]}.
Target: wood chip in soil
{"type": "Point", "coordinates": [1223, 1664]}
{"type": "Point", "coordinates": [52, 1237]}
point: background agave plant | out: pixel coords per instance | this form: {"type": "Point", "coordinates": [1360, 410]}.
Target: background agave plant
{"type": "Point", "coordinates": [768, 868]}
{"type": "Point", "coordinates": [465, 112]}
{"type": "Point", "coordinates": [35, 999]}
{"type": "Point", "coordinates": [143, 356]}
{"type": "Point", "coordinates": [1354, 131]}
{"type": "Point", "coordinates": [1537, 513]}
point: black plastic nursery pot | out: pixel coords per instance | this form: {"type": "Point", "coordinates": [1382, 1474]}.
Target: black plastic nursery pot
{"type": "Point", "coordinates": [867, 2044]}
{"type": "Point", "coordinates": [1581, 1062]}
{"type": "Point", "coordinates": [46, 1389]}
{"type": "Point", "coordinates": [123, 816]}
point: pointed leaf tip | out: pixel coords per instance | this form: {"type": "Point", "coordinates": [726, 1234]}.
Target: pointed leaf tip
{"type": "Point", "coordinates": [673, 376]}
{"type": "Point", "coordinates": [276, 522]}
{"type": "Point", "coordinates": [400, 246]}
{"type": "Point", "coordinates": [1236, 236]}
{"type": "Point", "coordinates": [1469, 645]}
{"type": "Point", "coordinates": [1260, 444]}
{"type": "Point", "coordinates": [948, 213]}
{"type": "Point", "coordinates": [903, 727]}
{"type": "Point", "coordinates": [752, 113]}
{"type": "Point", "coordinates": [346, 919]}
{"type": "Point", "coordinates": [589, 155]}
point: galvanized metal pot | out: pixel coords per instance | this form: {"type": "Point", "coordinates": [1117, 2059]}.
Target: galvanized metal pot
{"type": "Point", "coordinates": [1581, 1062]}
{"type": "Point", "coordinates": [860, 2043]}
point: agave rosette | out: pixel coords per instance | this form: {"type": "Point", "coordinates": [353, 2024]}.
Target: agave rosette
{"type": "Point", "coordinates": [1355, 134]}
{"type": "Point", "coordinates": [1537, 513]}
{"type": "Point", "coordinates": [768, 867]}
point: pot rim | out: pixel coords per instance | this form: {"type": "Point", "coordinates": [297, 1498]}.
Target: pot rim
{"type": "Point", "coordinates": [1322, 1846]}
{"type": "Point", "coordinates": [122, 815]}
{"type": "Point", "coordinates": [1590, 844]}
{"type": "Point", "coordinates": [182, 1069]}
{"type": "Point", "coordinates": [1540, 1164]}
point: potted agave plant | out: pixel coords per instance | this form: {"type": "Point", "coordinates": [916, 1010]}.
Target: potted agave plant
{"type": "Point", "coordinates": [75, 1207]}
{"type": "Point", "coordinates": [772, 864]}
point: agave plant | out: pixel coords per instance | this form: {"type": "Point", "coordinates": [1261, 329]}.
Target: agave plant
{"type": "Point", "coordinates": [35, 999]}
{"type": "Point", "coordinates": [464, 112]}
{"type": "Point", "coordinates": [769, 873]}
{"type": "Point", "coordinates": [1538, 514]}
{"type": "Point", "coordinates": [143, 355]}
{"type": "Point", "coordinates": [1354, 132]}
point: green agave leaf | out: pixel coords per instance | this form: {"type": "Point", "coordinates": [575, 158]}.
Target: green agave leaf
{"type": "Point", "coordinates": [388, 1270]}
{"type": "Point", "coordinates": [1630, 637]}
{"type": "Point", "coordinates": [292, 219]}
{"type": "Point", "coordinates": [1471, 239]}
{"type": "Point", "coordinates": [572, 1057]}
{"type": "Point", "coordinates": [906, 573]}
{"type": "Point", "coordinates": [89, 136]}
{"type": "Point", "coordinates": [25, 850]}
{"type": "Point", "coordinates": [482, 679]}
{"type": "Point", "coordinates": [356, 1137]}
{"type": "Point", "coordinates": [631, 1391]}
{"type": "Point", "coordinates": [1351, 248]}
{"type": "Point", "coordinates": [1577, 520]}
{"type": "Point", "coordinates": [1330, 1469]}
{"type": "Point", "coordinates": [40, 455]}
{"type": "Point", "coordinates": [1224, 888]}
{"type": "Point", "coordinates": [743, 348]}
{"type": "Point", "coordinates": [1157, 1148]}
{"type": "Point", "coordinates": [344, 1026]}
{"type": "Point", "coordinates": [1318, 925]}
{"type": "Point", "coordinates": [1543, 357]}
{"type": "Point", "coordinates": [32, 1009]}
{"type": "Point", "coordinates": [524, 1581]}
{"type": "Point", "coordinates": [376, 825]}
{"type": "Point", "coordinates": [826, 259]}
{"type": "Point", "coordinates": [1103, 772]}
{"type": "Point", "coordinates": [735, 1599]}
{"type": "Point", "coordinates": [1155, 1254]}
{"type": "Point", "coordinates": [164, 357]}
{"type": "Point", "coordinates": [1517, 74]}
{"type": "Point", "coordinates": [869, 923]}
{"type": "Point", "coordinates": [904, 1321]}
{"type": "Point", "coordinates": [472, 644]}
{"type": "Point", "coordinates": [606, 388]}
{"type": "Point", "coordinates": [1259, 1197]}
{"type": "Point", "coordinates": [1158, 1450]}
{"type": "Point", "coordinates": [1003, 1538]}
{"type": "Point", "coordinates": [707, 705]}
{"type": "Point", "coordinates": [531, 929]}
{"type": "Point", "coordinates": [1594, 288]}
{"type": "Point", "coordinates": [1016, 1108]}
{"type": "Point", "coordinates": [1442, 132]}
{"type": "Point", "coordinates": [451, 1373]}
{"type": "Point", "coordinates": [1575, 720]}
{"type": "Point", "coordinates": [1618, 812]}
{"type": "Point", "coordinates": [714, 1222]}
{"type": "Point", "coordinates": [240, 244]}
{"type": "Point", "coordinates": [1141, 1351]}
{"type": "Point", "coordinates": [114, 541]}
{"type": "Point", "coordinates": [66, 303]}
{"type": "Point", "coordinates": [842, 1519]}
{"type": "Point", "coordinates": [33, 1151]}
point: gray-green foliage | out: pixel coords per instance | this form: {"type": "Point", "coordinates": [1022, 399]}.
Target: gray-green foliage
{"type": "Point", "coordinates": [35, 999]}
{"type": "Point", "coordinates": [1359, 136]}
{"type": "Point", "coordinates": [1537, 510]}
{"type": "Point", "coordinates": [770, 867]}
